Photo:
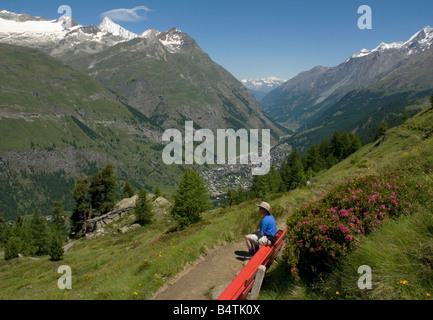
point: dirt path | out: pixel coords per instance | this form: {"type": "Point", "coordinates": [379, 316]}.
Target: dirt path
{"type": "Point", "coordinates": [210, 274]}
{"type": "Point", "coordinates": [213, 271]}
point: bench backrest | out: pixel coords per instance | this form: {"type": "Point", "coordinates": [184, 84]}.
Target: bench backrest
{"type": "Point", "coordinates": [240, 287]}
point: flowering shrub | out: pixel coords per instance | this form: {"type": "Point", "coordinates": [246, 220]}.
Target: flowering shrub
{"type": "Point", "coordinates": [323, 231]}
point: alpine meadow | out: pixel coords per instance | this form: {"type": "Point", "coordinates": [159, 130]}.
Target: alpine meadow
{"type": "Point", "coordinates": [132, 164]}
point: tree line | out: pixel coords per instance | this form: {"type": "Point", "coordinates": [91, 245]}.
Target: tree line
{"type": "Point", "coordinates": [297, 169]}
{"type": "Point", "coordinates": [94, 196]}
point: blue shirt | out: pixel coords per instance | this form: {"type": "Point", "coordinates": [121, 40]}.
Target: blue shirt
{"type": "Point", "coordinates": [268, 225]}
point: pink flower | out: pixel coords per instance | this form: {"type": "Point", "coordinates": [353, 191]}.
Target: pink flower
{"type": "Point", "coordinates": [349, 237]}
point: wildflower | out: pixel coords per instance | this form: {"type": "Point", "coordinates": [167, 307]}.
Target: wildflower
{"type": "Point", "coordinates": [428, 294]}
{"type": "Point", "coordinates": [135, 293]}
{"type": "Point", "coordinates": [337, 293]}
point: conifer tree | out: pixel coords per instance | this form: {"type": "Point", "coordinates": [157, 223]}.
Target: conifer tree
{"type": "Point", "coordinates": [157, 192]}
{"type": "Point", "coordinates": [58, 218]}
{"type": "Point", "coordinates": [314, 159]}
{"type": "Point", "coordinates": [128, 190]}
{"type": "Point", "coordinates": [292, 171]}
{"type": "Point", "coordinates": [12, 248]}
{"type": "Point", "coordinates": [383, 127]}
{"type": "Point", "coordinates": [260, 188]}
{"type": "Point", "coordinates": [38, 231]}
{"type": "Point", "coordinates": [81, 211]}
{"type": "Point", "coordinates": [102, 190]}
{"type": "Point", "coordinates": [191, 198]}
{"type": "Point", "coordinates": [336, 145]}
{"type": "Point", "coordinates": [143, 210]}
{"type": "Point", "coordinates": [55, 245]}
{"type": "Point", "coordinates": [2, 228]}
{"type": "Point", "coordinates": [404, 116]}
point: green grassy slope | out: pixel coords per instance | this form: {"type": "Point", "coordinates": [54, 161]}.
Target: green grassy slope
{"type": "Point", "coordinates": [400, 251]}
{"type": "Point", "coordinates": [134, 265]}
{"type": "Point", "coordinates": [55, 120]}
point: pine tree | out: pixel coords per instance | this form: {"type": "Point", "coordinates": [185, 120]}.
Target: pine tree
{"type": "Point", "coordinates": [404, 116]}
{"type": "Point", "coordinates": [81, 211]}
{"type": "Point", "coordinates": [191, 198]}
{"type": "Point", "coordinates": [157, 192]}
{"type": "Point", "coordinates": [336, 145]}
{"type": "Point", "coordinates": [58, 218]}
{"type": "Point", "coordinates": [314, 159]}
{"type": "Point", "coordinates": [355, 143]}
{"type": "Point", "coordinates": [18, 232]}
{"type": "Point", "coordinates": [383, 127]}
{"type": "Point", "coordinates": [102, 190]}
{"type": "Point", "coordinates": [55, 245]}
{"type": "Point", "coordinates": [2, 228]}
{"type": "Point", "coordinates": [298, 175]}
{"type": "Point", "coordinates": [12, 248]}
{"type": "Point", "coordinates": [143, 210]}
{"type": "Point", "coordinates": [260, 188]}
{"type": "Point", "coordinates": [274, 180]}
{"type": "Point", "coordinates": [324, 148]}
{"type": "Point", "coordinates": [230, 197]}
{"type": "Point", "coordinates": [38, 231]}
{"type": "Point", "coordinates": [5, 234]}
{"type": "Point", "coordinates": [292, 171]}
{"type": "Point", "coordinates": [128, 190]}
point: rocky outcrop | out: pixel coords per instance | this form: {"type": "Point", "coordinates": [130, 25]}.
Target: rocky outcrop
{"type": "Point", "coordinates": [122, 218]}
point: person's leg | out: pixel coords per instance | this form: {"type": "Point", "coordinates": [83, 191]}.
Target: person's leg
{"type": "Point", "coordinates": [251, 240]}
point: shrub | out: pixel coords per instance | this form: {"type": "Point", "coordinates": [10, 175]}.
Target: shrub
{"type": "Point", "coordinates": [322, 232]}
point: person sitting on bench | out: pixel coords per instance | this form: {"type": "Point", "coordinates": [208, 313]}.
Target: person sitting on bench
{"type": "Point", "coordinates": [266, 234]}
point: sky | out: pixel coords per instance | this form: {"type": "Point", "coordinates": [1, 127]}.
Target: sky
{"type": "Point", "coordinates": [255, 39]}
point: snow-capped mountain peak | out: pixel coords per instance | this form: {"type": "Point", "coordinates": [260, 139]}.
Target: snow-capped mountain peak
{"type": "Point", "coordinates": [55, 38]}
{"type": "Point", "coordinates": [107, 25]}
{"type": "Point", "coordinates": [150, 34]}
{"type": "Point", "coordinates": [420, 41]}
{"type": "Point", "coordinates": [265, 84]}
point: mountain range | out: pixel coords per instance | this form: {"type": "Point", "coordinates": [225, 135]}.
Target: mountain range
{"type": "Point", "coordinates": [75, 98]}
{"type": "Point", "coordinates": [260, 87]}
{"type": "Point", "coordinates": [305, 101]}
{"type": "Point", "coordinates": [165, 75]}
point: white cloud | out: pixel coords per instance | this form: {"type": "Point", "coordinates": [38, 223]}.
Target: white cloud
{"type": "Point", "coordinates": [130, 15]}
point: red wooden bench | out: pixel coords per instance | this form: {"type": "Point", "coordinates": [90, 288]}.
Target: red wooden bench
{"type": "Point", "coordinates": [241, 286]}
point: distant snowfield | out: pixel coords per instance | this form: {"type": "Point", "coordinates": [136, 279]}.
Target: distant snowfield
{"type": "Point", "coordinates": [46, 27]}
